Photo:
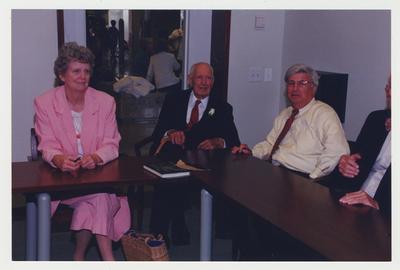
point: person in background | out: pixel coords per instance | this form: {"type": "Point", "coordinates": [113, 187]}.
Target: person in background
{"type": "Point", "coordinates": [367, 170]}
{"type": "Point", "coordinates": [77, 129]}
{"type": "Point", "coordinates": [188, 120]}
{"type": "Point", "coordinates": [163, 67]}
{"type": "Point", "coordinates": [113, 34]}
{"type": "Point", "coordinates": [175, 41]}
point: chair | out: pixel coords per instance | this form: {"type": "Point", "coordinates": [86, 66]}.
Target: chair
{"type": "Point", "coordinates": [35, 154]}
{"type": "Point", "coordinates": [140, 144]}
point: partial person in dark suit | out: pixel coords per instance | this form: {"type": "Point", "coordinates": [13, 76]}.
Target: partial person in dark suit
{"type": "Point", "coordinates": [188, 120]}
{"type": "Point", "coordinates": [369, 166]}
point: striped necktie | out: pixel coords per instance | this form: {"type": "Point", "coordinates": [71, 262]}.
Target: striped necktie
{"type": "Point", "coordinates": [283, 133]}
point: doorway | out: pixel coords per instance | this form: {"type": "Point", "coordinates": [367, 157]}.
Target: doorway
{"type": "Point", "coordinates": [122, 40]}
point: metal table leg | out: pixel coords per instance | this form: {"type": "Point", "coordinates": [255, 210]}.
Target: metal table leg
{"type": "Point", "coordinates": [31, 231]}
{"type": "Point", "coordinates": [44, 228]}
{"type": "Point", "coordinates": [206, 226]}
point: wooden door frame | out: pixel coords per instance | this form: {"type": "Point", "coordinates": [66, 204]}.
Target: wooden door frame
{"type": "Point", "coordinates": [60, 27]}
{"type": "Point", "coordinates": [220, 40]}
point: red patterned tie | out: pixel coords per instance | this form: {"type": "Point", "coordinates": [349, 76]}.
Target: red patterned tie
{"type": "Point", "coordinates": [194, 116]}
{"type": "Point", "coordinates": [283, 133]}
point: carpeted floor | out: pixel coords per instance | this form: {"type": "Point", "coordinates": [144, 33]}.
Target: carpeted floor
{"type": "Point", "coordinates": [62, 242]}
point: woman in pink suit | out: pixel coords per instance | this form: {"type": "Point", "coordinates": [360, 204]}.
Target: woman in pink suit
{"type": "Point", "coordinates": [76, 127]}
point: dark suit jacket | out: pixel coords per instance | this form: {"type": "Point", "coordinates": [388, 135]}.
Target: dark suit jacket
{"type": "Point", "coordinates": [368, 145]}
{"type": "Point", "coordinates": [173, 116]}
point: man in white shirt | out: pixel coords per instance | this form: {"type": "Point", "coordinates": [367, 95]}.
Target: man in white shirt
{"type": "Point", "coordinates": [368, 169]}
{"type": "Point", "coordinates": [312, 145]}
{"type": "Point", "coordinates": [315, 140]}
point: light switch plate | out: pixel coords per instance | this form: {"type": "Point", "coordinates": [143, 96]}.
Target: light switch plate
{"type": "Point", "coordinates": [267, 74]}
{"type": "Point", "coordinates": [259, 23]}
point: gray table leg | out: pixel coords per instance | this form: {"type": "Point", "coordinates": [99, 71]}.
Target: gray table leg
{"type": "Point", "coordinates": [206, 226]}
{"type": "Point", "coordinates": [43, 226]}
{"type": "Point", "coordinates": [31, 231]}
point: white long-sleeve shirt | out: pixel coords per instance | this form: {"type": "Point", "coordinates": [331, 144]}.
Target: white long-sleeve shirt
{"type": "Point", "coordinates": [379, 168]}
{"type": "Point", "coordinates": [314, 143]}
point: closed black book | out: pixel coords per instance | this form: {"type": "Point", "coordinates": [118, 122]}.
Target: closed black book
{"type": "Point", "coordinates": [164, 169]}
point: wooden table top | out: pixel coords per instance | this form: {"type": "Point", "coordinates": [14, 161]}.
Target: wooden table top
{"type": "Point", "coordinates": [38, 176]}
{"type": "Point", "coordinates": [304, 209]}
{"type": "Point", "coordinates": [297, 205]}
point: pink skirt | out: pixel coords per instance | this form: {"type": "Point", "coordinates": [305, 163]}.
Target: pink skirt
{"type": "Point", "coordinates": [101, 213]}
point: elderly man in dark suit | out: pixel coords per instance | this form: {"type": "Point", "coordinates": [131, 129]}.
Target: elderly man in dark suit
{"type": "Point", "coordinates": [369, 167]}
{"type": "Point", "coordinates": [188, 120]}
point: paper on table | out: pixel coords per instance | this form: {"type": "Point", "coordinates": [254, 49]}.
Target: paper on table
{"type": "Point", "coordinates": [183, 165]}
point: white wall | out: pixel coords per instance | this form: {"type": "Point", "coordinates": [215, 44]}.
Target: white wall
{"type": "Point", "coordinates": [199, 36]}
{"type": "Point", "coordinates": [353, 42]}
{"type": "Point", "coordinates": [197, 40]}
{"type": "Point", "coordinates": [34, 49]}
{"type": "Point", "coordinates": [75, 26]}
{"type": "Point", "coordinates": [255, 104]}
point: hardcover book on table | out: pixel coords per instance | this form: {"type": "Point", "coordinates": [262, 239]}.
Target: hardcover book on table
{"type": "Point", "coordinates": [164, 169]}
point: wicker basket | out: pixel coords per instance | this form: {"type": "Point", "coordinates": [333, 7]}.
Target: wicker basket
{"type": "Point", "coordinates": [144, 247]}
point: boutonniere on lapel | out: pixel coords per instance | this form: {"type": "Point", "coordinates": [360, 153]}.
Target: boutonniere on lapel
{"type": "Point", "coordinates": [211, 112]}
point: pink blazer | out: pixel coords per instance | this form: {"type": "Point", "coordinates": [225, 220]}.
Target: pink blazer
{"type": "Point", "coordinates": [56, 133]}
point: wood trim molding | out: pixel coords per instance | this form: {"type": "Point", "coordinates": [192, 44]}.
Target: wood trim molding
{"type": "Point", "coordinates": [60, 27]}
{"type": "Point", "coordinates": [220, 40]}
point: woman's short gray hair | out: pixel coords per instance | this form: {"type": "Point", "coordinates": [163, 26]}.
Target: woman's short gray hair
{"type": "Point", "coordinates": [71, 51]}
{"type": "Point", "coordinates": [301, 68]}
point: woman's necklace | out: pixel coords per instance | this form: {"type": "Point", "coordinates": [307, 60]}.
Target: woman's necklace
{"type": "Point", "coordinates": [75, 102]}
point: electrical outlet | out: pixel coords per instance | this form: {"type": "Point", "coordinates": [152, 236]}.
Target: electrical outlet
{"type": "Point", "coordinates": [255, 74]}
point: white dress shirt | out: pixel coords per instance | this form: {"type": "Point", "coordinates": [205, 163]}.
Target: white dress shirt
{"type": "Point", "coordinates": [77, 121]}
{"type": "Point", "coordinates": [377, 172]}
{"type": "Point", "coordinates": [313, 144]}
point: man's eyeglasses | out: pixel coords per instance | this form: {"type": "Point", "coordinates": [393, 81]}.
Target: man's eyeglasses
{"type": "Point", "coordinates": [302, 83]}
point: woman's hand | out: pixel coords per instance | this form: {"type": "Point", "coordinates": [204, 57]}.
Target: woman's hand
{"type": "Point", "coordinates": [90, 161]}
{"type": "Point", "coordinates": [66, 163]}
